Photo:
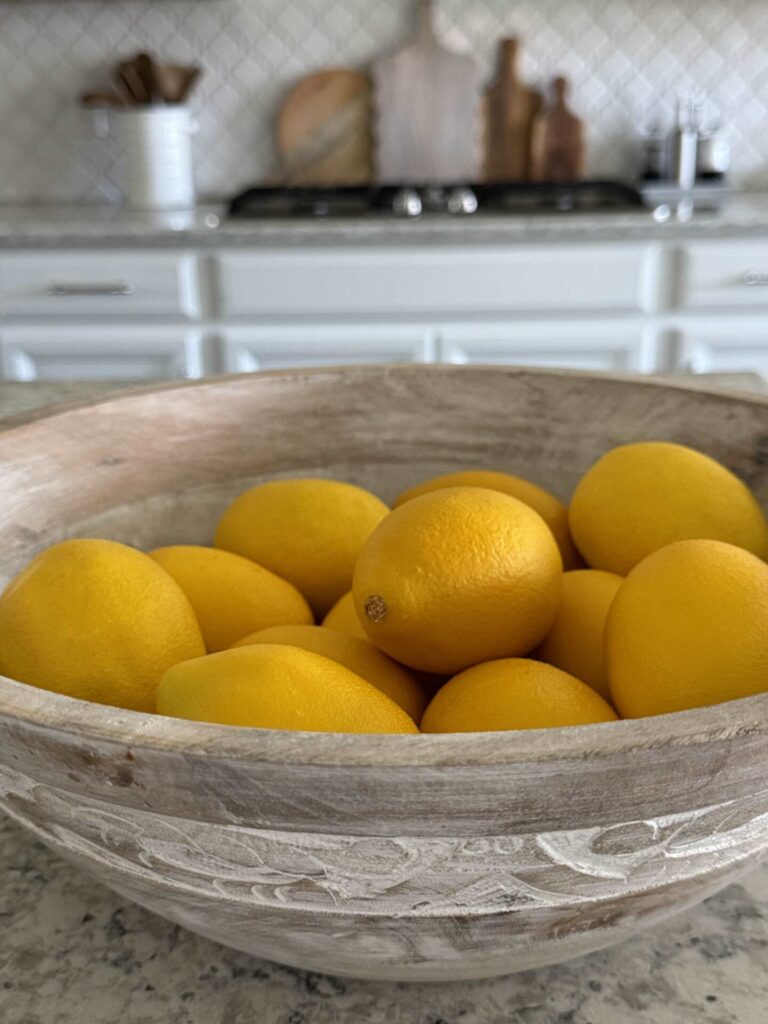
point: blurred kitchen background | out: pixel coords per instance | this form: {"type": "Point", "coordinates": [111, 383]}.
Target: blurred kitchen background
{"type": "Point", "coordinates": [149, 231]}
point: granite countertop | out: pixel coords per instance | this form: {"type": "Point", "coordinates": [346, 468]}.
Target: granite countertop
{"type": "Point", "coordinates": [72, 952]}
{"type": "Point", "coordinates": [745, 215]}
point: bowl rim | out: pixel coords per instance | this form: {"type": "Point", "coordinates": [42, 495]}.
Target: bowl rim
{"type": "Point", "coordinates": [35, 709]}
{"type": "Point", "coordinates": [32, 708]}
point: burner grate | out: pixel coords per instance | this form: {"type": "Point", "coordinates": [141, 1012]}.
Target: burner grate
{"type": "Point", "coordinates": [276, 202]}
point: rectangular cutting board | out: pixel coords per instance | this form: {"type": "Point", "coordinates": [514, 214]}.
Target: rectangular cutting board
{"type": "Point", "coordinates": [426, 110]}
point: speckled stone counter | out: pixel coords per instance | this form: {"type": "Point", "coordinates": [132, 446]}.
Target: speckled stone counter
{"type": "Point", "coordinates": [72, 952]}
{"type": "Point", "coordinates": [208, 227]}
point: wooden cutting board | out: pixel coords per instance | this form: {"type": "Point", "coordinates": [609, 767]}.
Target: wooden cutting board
{"type": "Point", "coordinates": [323, 130]}
{"type": "Point", "coordinates": [510, 111]}
{"type": "Point", "coordinates": [558, 144]}
{"type": "Point", "coordinates": [426, 110]}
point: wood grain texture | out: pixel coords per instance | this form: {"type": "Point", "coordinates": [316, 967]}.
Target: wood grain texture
{"type": "Point", "coordinates": [427, 111]}
{"type": "Point", "coordinates": [510, 110]}
{"type": "Point", "coordinates": [389, 857]}
{"type": "Point", "coordinates": [323, 130]}
{"type": "Point", "coordinates": [558, 147]}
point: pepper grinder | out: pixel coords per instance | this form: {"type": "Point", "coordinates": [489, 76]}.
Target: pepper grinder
{"type": "Point", "coordinates": [654, 153]}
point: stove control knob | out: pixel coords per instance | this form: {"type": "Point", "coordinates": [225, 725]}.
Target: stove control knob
{"type": "Point", "coordinates": [407, 203]}
{"type": "Point", "coordinates": [462, 201]}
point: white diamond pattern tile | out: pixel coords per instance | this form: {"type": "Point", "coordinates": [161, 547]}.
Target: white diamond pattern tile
{"type": "Point", "coordinates": [627, 59]}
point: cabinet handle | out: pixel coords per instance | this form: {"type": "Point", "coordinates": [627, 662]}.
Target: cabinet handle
{"type": "Point", "coordinates": [61, 289]}
{"type": "Point", "coordinates": [755, 278]}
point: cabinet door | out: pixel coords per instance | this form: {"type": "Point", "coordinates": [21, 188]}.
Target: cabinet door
{"type": "Point", "coordinates": [275, 347]}
{"type": "Point", "coordinates": [100, 353]}
{"type": "Point", "coordinates": [614, 346]}
{"type": "Point", "coordinates": [735, 345]}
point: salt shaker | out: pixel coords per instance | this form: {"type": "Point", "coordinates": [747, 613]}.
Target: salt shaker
{"type": "Point", "coordinates": [714, 154]}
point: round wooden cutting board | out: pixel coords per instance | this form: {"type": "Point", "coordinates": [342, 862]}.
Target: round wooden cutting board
{"type": "Point", "coordinates": [323, 130]}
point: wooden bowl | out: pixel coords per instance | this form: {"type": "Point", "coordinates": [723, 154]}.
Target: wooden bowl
{"type": "Point", "coordinates": [404, 857]}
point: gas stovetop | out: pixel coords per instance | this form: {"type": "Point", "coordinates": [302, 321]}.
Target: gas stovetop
{"type": "Point", "coordinates": [413, 201]}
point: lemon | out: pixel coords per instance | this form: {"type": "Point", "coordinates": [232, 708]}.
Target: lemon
{"type": "Point", "coordinates": [458, 576]}
{"type": "Point", "coordinates": [231, 596]}
{"type": "Point", "coordinates": [358, 655]}
{"type": "Point", "coordinates": [689, 627]}
{"type": "Point", "coordinates": [96, 620]}
{"type": "Point", "coordinates": [551, 509]}
{"type": "Point", "coordinates": [307, 531]}
{"type": "Point", "coordinates": [641, 497]}
{"type": "Point", "coordinates": [343, 616]}
{"type": "Point", "coordinates": [271, 686]}
{"type": "Point", "coordinates": [514, 693]}
{"type": "Point", "coordinates": [575, 643]}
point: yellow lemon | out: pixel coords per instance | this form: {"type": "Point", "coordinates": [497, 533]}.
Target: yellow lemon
{"type": "Point", "coordinates": [270, 686]}
{"type": "Point", "coordinates": [96, 620]}
{"type": "Point", "coordinates": [458, 576]}
{"type": "Point", "coordinates": [641, 497]}
{"type": "Point", "coordinates": [358, 655]}
{"type": "Point", "coordinates": [576, 642]}
{"type": "Point", "coordinates": [551, 509]}
{"type": "Point", "coordinates": [688, 627]}
{"type": "Point", "coordinates": [514, 694]}
{"type": "Point", "coordinates": [231, 596]}
{"type": "Point", "coordinates": [343, 616]}
{"type": "Point", "coordinates": [308, 531]}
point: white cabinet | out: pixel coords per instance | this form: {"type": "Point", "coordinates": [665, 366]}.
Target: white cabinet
{"type": "Point", "coordinates": [141, 314]}
{"type": "Point", "coordinates": [273, 346]}
{"type": "Point", "coordinates": [99, 284]}
{"type": "Point", "coordinates": [724, 345]}
{"type": "Point", "coordinates": [93, 353]}
{"type": "Point", "coordinates": [430, 281]}
{"type": "Point", "coordinates": [618, 346]}
{"type": "Point", "coordinates": [716, 275]}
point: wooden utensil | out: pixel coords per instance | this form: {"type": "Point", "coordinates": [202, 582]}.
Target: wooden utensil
{"type": "Point", "coordinates": [558, 145]}
{"type": "Point", "coordinates": [511, 108]}
{"type": "Point", "coordinates": [427, 110]}
{"type": "Point", "coordinates": [132, 83]}
{"type": "Point", "coordinates": [145, 70]}
{"type": "Point", "coordinates": [100, 100]}
{"type": "Point", "coordinates": [174, 82]}
{"type": "Point", "coordinates": [323, 130]}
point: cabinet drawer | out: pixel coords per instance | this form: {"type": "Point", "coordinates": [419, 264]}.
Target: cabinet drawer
{"type": "Point", "coordinates": [98, 284]}
{"type": "Point", "coordinates": [270, 347]}
{"type": "Point", "coordinates": [429, 281]}
{"type": "Point", "coordinates": [719, 275]}
{"type": "Point", "coordinates": [100, 354]}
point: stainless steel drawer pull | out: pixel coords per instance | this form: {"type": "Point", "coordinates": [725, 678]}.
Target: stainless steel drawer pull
{"type": "Point", "coordinates": [63, 289]}
{"type": "Point", "coordinates": [755, 278]}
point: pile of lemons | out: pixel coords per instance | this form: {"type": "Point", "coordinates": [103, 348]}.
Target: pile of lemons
{"type": "Point", "coordinates": [479, 602]}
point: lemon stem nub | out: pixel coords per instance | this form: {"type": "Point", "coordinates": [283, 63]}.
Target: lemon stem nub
{"type": "Point", "coordinates": [376, 608]}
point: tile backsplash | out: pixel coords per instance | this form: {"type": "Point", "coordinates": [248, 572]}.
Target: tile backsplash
{"type": "Point", "coordinates": [626, 58]}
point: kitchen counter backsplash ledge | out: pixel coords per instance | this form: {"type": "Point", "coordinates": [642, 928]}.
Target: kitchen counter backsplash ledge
{"type": "Point", "coordinates": [208, 226]}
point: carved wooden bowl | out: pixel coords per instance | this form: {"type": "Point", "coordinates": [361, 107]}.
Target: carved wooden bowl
{"type": "Point", "coordinates": [457, 856]}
